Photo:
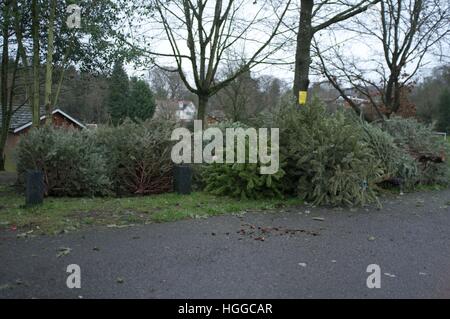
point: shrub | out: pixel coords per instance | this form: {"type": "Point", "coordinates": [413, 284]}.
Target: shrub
{"type": "Point", "coordinates": [71, 163]}
{"type": "Point", "coordinates": [138, 156]}
{"type": "Point", "coordinates": [198, 181]}
{"type": "Point", "coordinates": [430, 152]}
{"type": "Point", "coordinates": [396, 164]}
{"type": "Point", "coordinates": [443, 122]}
{"type": "Point", "coordinates": [328, 161]}
{"type": "Point", "coordinates": [242, 180]}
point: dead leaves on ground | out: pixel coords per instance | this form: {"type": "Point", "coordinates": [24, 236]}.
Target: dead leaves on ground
{"type": "Point", "coordinates": [63, 251]}
{"type": "Point", "coordinates": [261, 233]}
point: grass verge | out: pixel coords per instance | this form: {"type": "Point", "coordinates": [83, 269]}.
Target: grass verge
{"type": "Point", "coordinates": [58, 215]}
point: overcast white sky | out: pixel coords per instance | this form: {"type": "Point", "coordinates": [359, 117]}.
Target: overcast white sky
{"type": "Point", "coordinates": [355, 47]}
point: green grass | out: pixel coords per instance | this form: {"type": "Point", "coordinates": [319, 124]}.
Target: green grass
{"type": "Point", "coordinates": [429, 188]}
{"type": "Point", "coordinates": [68, 214]}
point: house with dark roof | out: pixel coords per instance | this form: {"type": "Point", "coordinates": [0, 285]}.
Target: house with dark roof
{"type": "Point", "coordinates": [179, 110]}
{"type": "Point", "coordinates": [21, 122]}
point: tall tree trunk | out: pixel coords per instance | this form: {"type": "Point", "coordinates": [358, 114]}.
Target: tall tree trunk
{"type": "Point", "coordinates": [392, 97]}
{"type": "Point", "coordinates": [36, 63]}
{"type": "Point", "coordinates": [397, 96]}
{"type": "Point", "coordinates": [18, 28]}
{"type": "Point", "coordinates": [4, 83]}
{"type": "Point", "coordinates": [303, 51]}
{"type": "Point", "coordinates": [58, 88]}
{"type": "Point", "coordinates": [202, 104]}
{"type": "Point", "coordinates": [49, 65]}
{"type": "Point", "coordinates": [3, 137]}
{"type": "Point", "coordinates": [61, 75]}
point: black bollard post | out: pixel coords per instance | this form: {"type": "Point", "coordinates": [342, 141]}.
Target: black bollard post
{"type": "Point", "coordinates": [182, 179]}
{"type": "Point", "coordinates": [34, 192]}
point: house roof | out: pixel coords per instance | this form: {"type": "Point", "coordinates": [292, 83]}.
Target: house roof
{"type": "Point", "coordinates": [22, 118]}
{"type": "Point", "coordinates": [172, 108]}
{"type": "Point", "coordinates": [218, 114]}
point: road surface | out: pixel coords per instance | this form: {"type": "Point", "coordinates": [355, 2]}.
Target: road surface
{"type": "Point", "coordinates": [303, 252]}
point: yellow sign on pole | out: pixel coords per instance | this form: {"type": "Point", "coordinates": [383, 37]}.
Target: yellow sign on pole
{"type": "Point", "coordinates": [302, 97]}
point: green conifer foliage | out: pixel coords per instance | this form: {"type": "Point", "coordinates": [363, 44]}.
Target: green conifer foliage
{"type": "Point", "coordinates": [119, 92]}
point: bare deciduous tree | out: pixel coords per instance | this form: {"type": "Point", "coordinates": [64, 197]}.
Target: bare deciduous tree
{"type": "Point", "coordinates": [167, 84]}
{"type": "Point", "coordinates": [10, 73]}
{"type": "Point", "coordinates": [315, 17]}
{"type": "Point", "coordinates": [200, 34]}
{"type": "Point", "coordinates": [239, 99]}
{"type": "Point", "coordinates": [406, 31]}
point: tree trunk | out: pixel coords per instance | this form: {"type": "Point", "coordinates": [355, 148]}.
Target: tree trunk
{"type": "Point", "coordinates": [5, 59]}
{"type": "Point", "coordinates": [397, 96]}
{"type": "Point", "coordinates": [49, 65]}
{"type": "Point", "coordinates": [3, 137]}
{"type": "Point", "coordinates": [202, 104]}
{"type": "Point", "coordinates": [2, 160]}
{"type": "Point", "coordinates": [36, 63]}
{"type": "Point", "coordinates": [4, 82]}
{"type": "Point", "coordinates": [303, 51]}
{"type": "Point", "coordinates": [391, 93]}
{"type": "Point", "coordinates": [18, 27]}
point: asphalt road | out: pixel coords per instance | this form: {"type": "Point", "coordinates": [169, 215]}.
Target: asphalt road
{"type": "Point", "coordinates": [292, 255]}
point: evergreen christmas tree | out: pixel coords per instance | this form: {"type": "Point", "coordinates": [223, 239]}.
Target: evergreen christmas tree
{"type": "Point", "coordinates": [141, 99]}
{"type": "Point", "coordinates": [118, 98]}
{"type": "Point", "coordinates": [443, 123]}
